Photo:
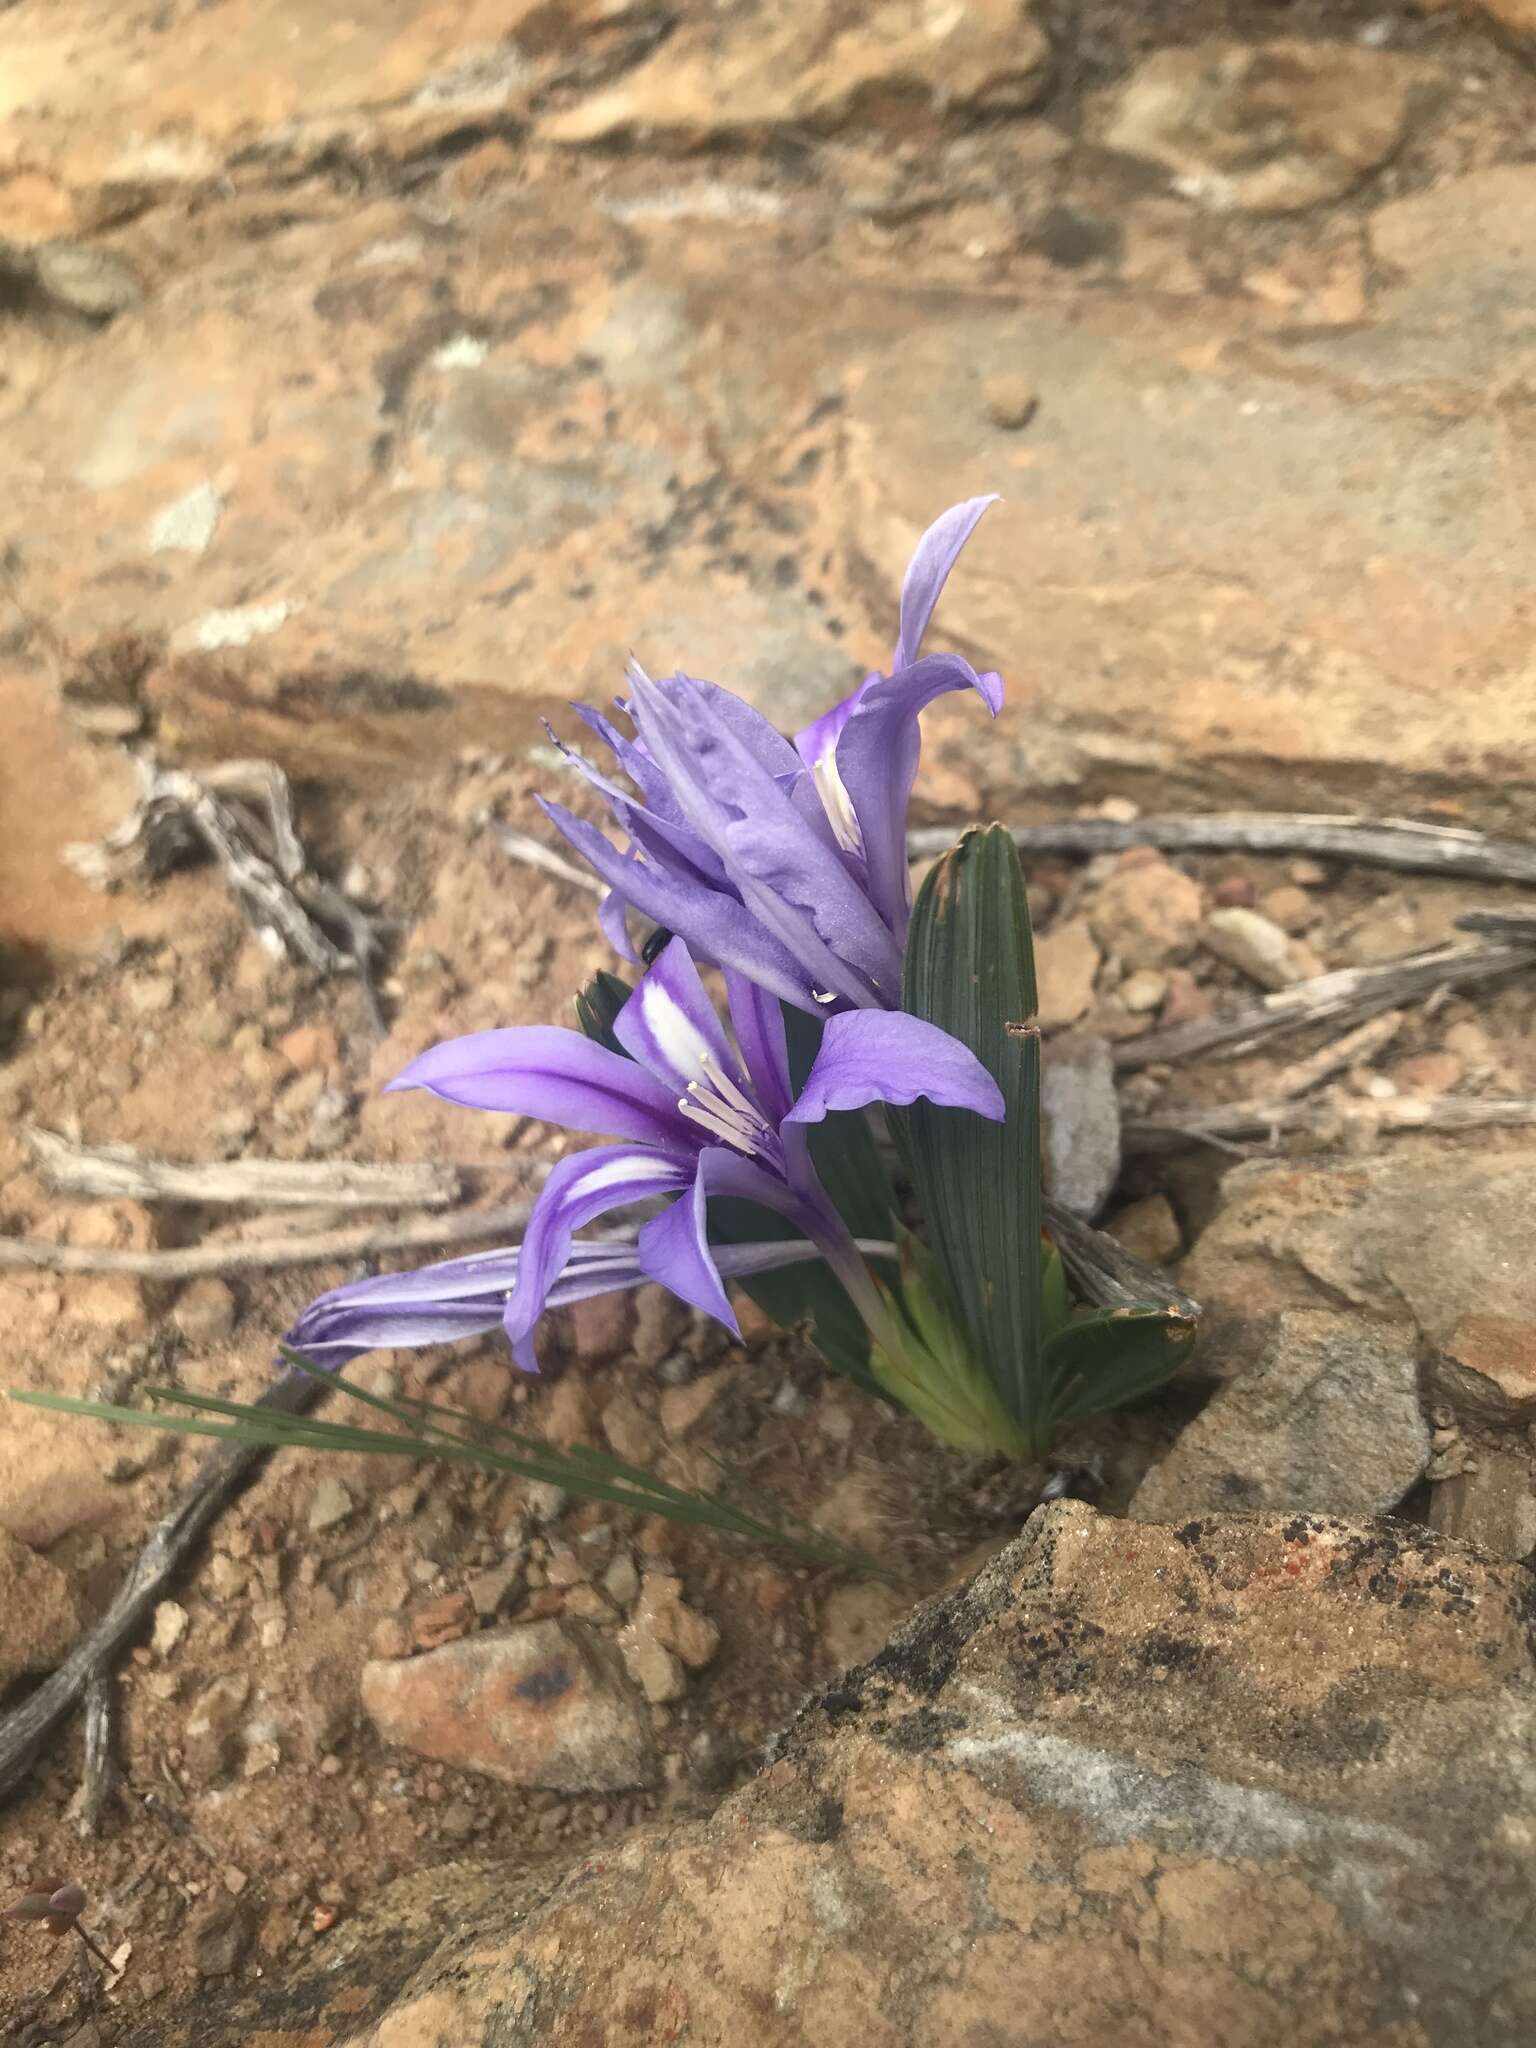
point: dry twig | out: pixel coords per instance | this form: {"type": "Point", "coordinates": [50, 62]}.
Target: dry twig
{"type": "Point", "coordinates": [1105, 1272]}
{"type": "Point", "coordinates": [99, 1781]}
{"type": "Point", "coordinates": [1334, 1116]}
{"type": "Point", "coordinates": [241, 814]}
{"type": "Point", "coordinates": [111, 1171]}
{"type": "Point", "coordinates": [535, 854]}
{"type": "Point", "coordinates": [1399, 843]}
{"type": "Point", "coordinates": [221, 1474]}
{"type": "Point", "coordinates": [1349, 992]}
{"type": "Point", "coordinates": [262, 1254]}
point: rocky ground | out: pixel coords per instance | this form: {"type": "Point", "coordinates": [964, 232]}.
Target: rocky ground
{"type": "Point", "coordinates": [372, 388]}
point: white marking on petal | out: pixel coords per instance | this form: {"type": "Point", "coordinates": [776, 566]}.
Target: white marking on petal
{"type": "Point", "coordinates": [614, 1171]}
{"type": "Point", "coordinates": [835, 800]}
{"type": "Point", "coordinates": [679, 1040]}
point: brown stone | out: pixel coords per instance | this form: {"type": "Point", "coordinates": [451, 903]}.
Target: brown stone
{"type": "Point", "coordinates": [1269, 127]}
{"type": "Point", "coordinates": [816, 63]}
{"type": "Point", "coordinates": [1146, 915]}
{"type": "Point", "coordinates": [1282, 1731]}
{"type": "Point", "coordinates": [543, 1703]}
{"type": "Point", "coordinates": [442, 1621]}
{"type": "Point", "coordinates": [1487, 1370]}
{"type": "Point", "coordinates": [39, 1617]}
{"type": "Point", "coordinates": [1066, 963]}
{"type": "Point", "coordinates": [311, 1046]}
{"type": "Point", "coordinates": [1149, 1230]}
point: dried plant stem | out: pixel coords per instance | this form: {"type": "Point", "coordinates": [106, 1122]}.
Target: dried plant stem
{"type": "Point", "coordinates": [99, 1781]}
{"type": "Point", "coordinates": [535, 854]}
{"type": "Point", "coordinates": [1331, 1116]}
{"type": "Point", "coordinates": [111, 1171]}
{"type": "Point", "coordinates": [219, 1477]}
{"type": "Point", "coordinates": [1105, 1272]}
{"type": "Point", "coordinates": [1399, 843]}
{"type": "Point", "coordinates": [264, 1254]}
{"type": "Point", "coordinates": [241, 814]}
{"type": "Point", "coordinates": [1349, 992]}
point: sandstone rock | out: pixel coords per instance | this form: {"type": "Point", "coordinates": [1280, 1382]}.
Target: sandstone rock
{"type": "Point", "coordinates": [1256, 947]}
{"type": "Point", "coordinates": [1364, 1233]}
{"type": "Point", "coordinates": [1491, 1502]}
{"type": "Point", "coordinates": [171, 1624]}
{"type": "Point", "coordinates": [661, 1612]}
{"type": "Point", "coordinates": [1149, 1230]}
{"type": "Point", "coordinates": [1066, 962]}
{"type": "Point", "coordinates": [1487, 1370]}
{"type": "Point", "coordinates": [544, 1704]}
{"type": "Point", "coordinates": [760, 68]}
{"type": "Point", "coordinates": [1262, 128]}
{"type": "Point", "coordinates": [39, 1617]}
{"type": "Point", "coordinates": [1146, 914]}
{"type": "Point", "coordinates": [1325, 1420]}
{"type": "Point", "coordinates": [598, 1330]}
{"type": "Point", "coordinates": [205, 1311]}
{"type": "Point", "coordinates": [683, 1408]}
{"type": "Point", "coordinates": [1281, 1732]}
{"type": "Point", "coordinates": [631, 1433]}
{"type": "Point", "coordinates": [1142, 991]}
{"type": "Point", "coordinates": [329, 1505]}
{"type": "Point", "coordinates": [1079, 1120]}
{"type": "Point", "coordinates": [1011, 400]}
{"type": "Point", "coordinates": [855, 1621]}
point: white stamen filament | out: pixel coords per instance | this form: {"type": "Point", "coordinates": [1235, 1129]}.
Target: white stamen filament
{"type": "Point", "coordinates": [725, 1112]}
{"type": "Point", "coordinates": [836, 802]}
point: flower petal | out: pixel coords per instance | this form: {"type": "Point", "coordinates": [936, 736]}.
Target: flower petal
{"type": "Point", "coordinates": [816, 741]}
{"type": "Point", "coordinates": [877, 760]}
{"type": "Point", "coordinates": [674, 1247]}
{"type": "Point", "coordinates": [886, 1056]}
{"type": "Point", "coordinates": [716, 925]}
{"type": "Point", "coordinates": [786, 872]}
{"type": "Point", "coordinates": [541, 1070]}
{"type": "Point", "coordinates": [927, 572]}
{"type": "Point", "coordinates": [758, 1023]}
{"type": "Point", "coordinates": [468, 1297]}
{"type": "Point", "coordinates": [670, 1026]}
{"type": "Point", "coordinates": [577, 1190]}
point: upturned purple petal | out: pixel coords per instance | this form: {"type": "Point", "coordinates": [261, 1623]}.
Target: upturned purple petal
{"type": "Point", "coordinates": [674, 1247]}
{"type": "Point", "coordinates": [887, 1056]}
{"type": "Point", "coordinates": [877, 759]}
{"type": "Point", "coordinates": [674, 1251]}
{"type": "Point", "coordinates": [578, 1190]}
{"type": "Point", "coordinates": [671, 1027]}
{"type": "Point", "coordinates": [927, 572]}
{"type": "Point", "coordinates": [758, 1022]}
{"type": "Point", "coordinates": [612, 916]}
{"type": "Point", "coordinates": [543, 1071]}
{"type": "Point", "coordinates": [717, 926]}
{"type": "Point", "coordinates": [787, 872]}
{"type": "Point", "coordinates": [816, 741]}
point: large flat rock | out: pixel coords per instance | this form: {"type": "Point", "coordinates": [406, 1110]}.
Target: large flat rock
{"type": "Point", "coordinates": [1225, 1781]}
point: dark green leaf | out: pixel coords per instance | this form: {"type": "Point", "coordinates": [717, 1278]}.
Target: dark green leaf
{"type": "Point", "coordinates": [970, 969]}
{"type": "Point", "coordinates": [598, 1004]}
{"type": "Point", "coordinates": [1110, 1356]}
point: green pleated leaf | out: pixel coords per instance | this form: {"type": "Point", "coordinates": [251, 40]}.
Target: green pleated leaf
{"type": "Point", "coordinates": [970, 969]}
{"type": "Point", "coordinates": [1108, 1357]}
{"type": "Point", "coordinates": [926, 1363]}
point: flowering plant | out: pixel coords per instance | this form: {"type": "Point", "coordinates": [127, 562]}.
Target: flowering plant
{"type": "Point", "coordinates": [912, 1254]}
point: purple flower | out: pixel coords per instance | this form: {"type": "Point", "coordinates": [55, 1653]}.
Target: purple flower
{"type": "Point", "coordinates": [786, 864]}
{"type": "Point", "coordinates": [697, 1120]}
{"type": "Point", "coordinates": [468, 1297]}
